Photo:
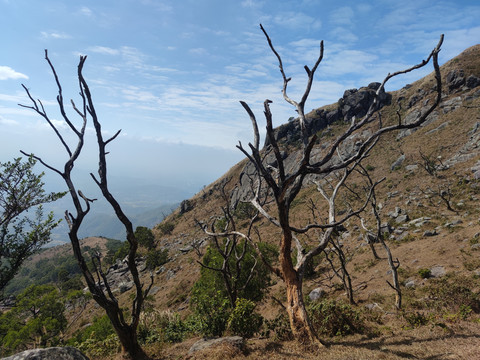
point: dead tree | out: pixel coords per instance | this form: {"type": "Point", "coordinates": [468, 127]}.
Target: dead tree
{"type": "Point", "coordinates": [97, 281]}
{"type": "Point", "coordinates": [393, 264]}
{"type": "Point", "coordinates": [233, 251]}
{"type": "Point", "coordinates": [285, 185]}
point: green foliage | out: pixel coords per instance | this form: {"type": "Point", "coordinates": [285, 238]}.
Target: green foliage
{"type": "Point", "coordinates": [98, 339]}
{"type": "Point", "coordinates": [95, 346]}
{"type": "Point", "coordinates": [243, 321]}
{"type": "Point", "coordinates": [163, 326]}
{"type": "Point", "coordinates": [280, 327]}
{"type": "Point", "coordinates": [37, 320]}
{"type": "Point", "coordinates": [122, 251]}
{"type": "Point", "coordinates": [450, 294]}
{"type": "Point", "coordinates": [63, 271]}
{"type": "Point", "coordinates": [20, 236]}
{"type": "Point", "coordinates": [112, 246]}
{"type": "Point", "coordinates": [145, 237]}
{"type": "Point", "coordinates": [335, 318]}
{"type": "Point", "coordinates": [156, 258]}
{"type": "Point", "coordinates": [416, 319]}
{"type": "Point", "coordinates": [251, 288]}
{"type": "Point", "coordinates": [166, 227]}
{"type": "Point", "coordinates": [245, 210]}
{"type": "Point", "coordinates": [424, 273]}
{"type": "Point", "coordinates": [211, 311]}
{"type": "Point", "coordinates": [212, 302]}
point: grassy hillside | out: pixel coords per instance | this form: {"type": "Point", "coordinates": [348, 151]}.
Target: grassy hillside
{"type": "Point", "coordinates": [430, 201]}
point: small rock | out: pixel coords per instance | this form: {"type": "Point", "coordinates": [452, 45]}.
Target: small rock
{"type": "Point", "coordinates": [430, 233]}
{"type": "Point", "coordinates": [316, 294]}
{"type": "Point", "coordinates": [398, 163]}
{"type": "Point", "coordinates": [402, 219]}
{"type": "Point", "coordinates": [437, 271]}
{"type": "Point", "coordinates": [410, 283]}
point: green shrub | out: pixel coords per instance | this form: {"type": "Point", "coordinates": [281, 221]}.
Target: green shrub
{"type": "Point", "coordinates": [280, 327]}
{"type": "Point", "coordinates": [99, 347]}
{"type": "Point", "coordinates": [424, 273]}
{"type": "Point", "coordinates": [211, 313]}
{"type": "Point", "coordinates": [145, 237]}
{"type": "Point", "coordinates": [166, 227]}
{"type": "Point", "coordinates": [245, 210]}
{"type": "Point", "coordinates": [156, 258]}
{"type": "Point", "coordinates": [416, 319]}
{"type": "Point", "coordinates": [243, 320]}
{"type": "Point", "coordinates": [450, 294]}
{"type": "Point", "coordinates": [335, 318]}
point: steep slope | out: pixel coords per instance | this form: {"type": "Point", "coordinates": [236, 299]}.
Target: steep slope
{"type": "Point", "coordinates": [450, 139]}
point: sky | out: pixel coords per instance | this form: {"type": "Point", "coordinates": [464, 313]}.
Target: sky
{"type": "Point", "coordinates": [171, 73]}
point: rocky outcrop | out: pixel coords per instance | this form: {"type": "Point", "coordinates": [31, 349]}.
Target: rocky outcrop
{"type": "Point", "coordinates": [53, 353]}
{"type": "Point", "coordinates": [457, 80]}
{"type": "Point", "coordinates": [353, 103]}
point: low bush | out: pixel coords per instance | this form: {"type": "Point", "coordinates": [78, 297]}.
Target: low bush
{"type": "Point", "coordinates": [335, 318]}
{"type": "Point", "coordinates": [243, 320]}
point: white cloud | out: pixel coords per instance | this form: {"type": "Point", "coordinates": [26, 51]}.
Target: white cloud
{"type": "Point", "coordinates": [103, 50]}
{"type": "Point", "coordinates": [198, 51]}
{"type": "Point", "coordinates": [296, 20]}
{"type": "Point", "coordinates": [54, 35]}
{"type": "Point", "coordinates": [7, 72]}
{"type": "Point", "coordinates": [86, 11]}
{"type": "Point", "coordinates": [342, 16]}
{"type": "Point", "coordinates": [344, 35]}
{"type": "Point", "coordinates": [254, 4]}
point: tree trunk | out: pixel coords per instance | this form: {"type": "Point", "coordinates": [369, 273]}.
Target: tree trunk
{"type": "Point", "coordinates": [299, 322]}
{"type": "Point", "coordinates": [297, 313]}
{"type": "Point", "coordinates": [131, 349]}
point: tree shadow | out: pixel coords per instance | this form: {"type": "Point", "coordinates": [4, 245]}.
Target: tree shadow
{"type": "Point", "coordinates": [384, 344]}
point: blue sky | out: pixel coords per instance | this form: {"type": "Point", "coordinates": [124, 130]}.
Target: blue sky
{"type": "Point", "coordinates": [170, 74]}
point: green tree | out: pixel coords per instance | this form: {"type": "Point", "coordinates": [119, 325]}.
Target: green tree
{"type": "Point", "coordinates": [215, 294]}
{"type": "Point", "coordinates": [37, 319]}
{"type": "Point", "coordinates": [20, 235]}
{"type": "Point", "coordinates": [145, 237]}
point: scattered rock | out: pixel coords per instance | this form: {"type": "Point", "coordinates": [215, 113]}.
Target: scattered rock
{"type": "Point", "coordinates": [402, 219]}
{"type": "Point", "coordinates": [419, 221]}
{"type": "Point", "coordinates": [53, 353]}
{"type": "Point", "coordinates": [316, 294]}
{"type": "Point", "coordinates": [185, 206]}
{"type": "Point", "coordinates": [410, 283]}
{"type": "Point", "coordinates": [398, 163]}
{"type": "Point", "coordinates": [430, 233]}
{"type": "Point", "coordinates": [437, 271]}
{"type": "Point", "coordinates": [455, 79]}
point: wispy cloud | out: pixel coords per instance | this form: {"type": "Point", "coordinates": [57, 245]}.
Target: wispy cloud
{"type": "Point", "coordinates": [54, 35]}
{"type": "Point", "coordinates": [7, 72]}
{"type": "Point", "coordinates": [86, 11]}
{"type": "Point", "coordinates": [297, 20]}
{"type": "Point", "coordinates": [253, 4]}
{"type": "Point", "coordinates": [342, 16]}
{"type": "Point", "coordinates": [103, 50]}
{"type": "Point", "coordinates": [198, 51]}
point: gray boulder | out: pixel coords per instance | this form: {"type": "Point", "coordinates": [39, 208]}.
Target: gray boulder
{"type": "Point", "coordinates": [53, 353]}
{"type": "Point", "coordinates": [316, 294]}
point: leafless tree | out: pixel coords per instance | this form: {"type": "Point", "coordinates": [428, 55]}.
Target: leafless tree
{"type": "Point", "coordinates": [96, 280]}
{"type": "Point", "coordinates": [285, 185]}
{"type": "Point", "coordinates": [232, 249]}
